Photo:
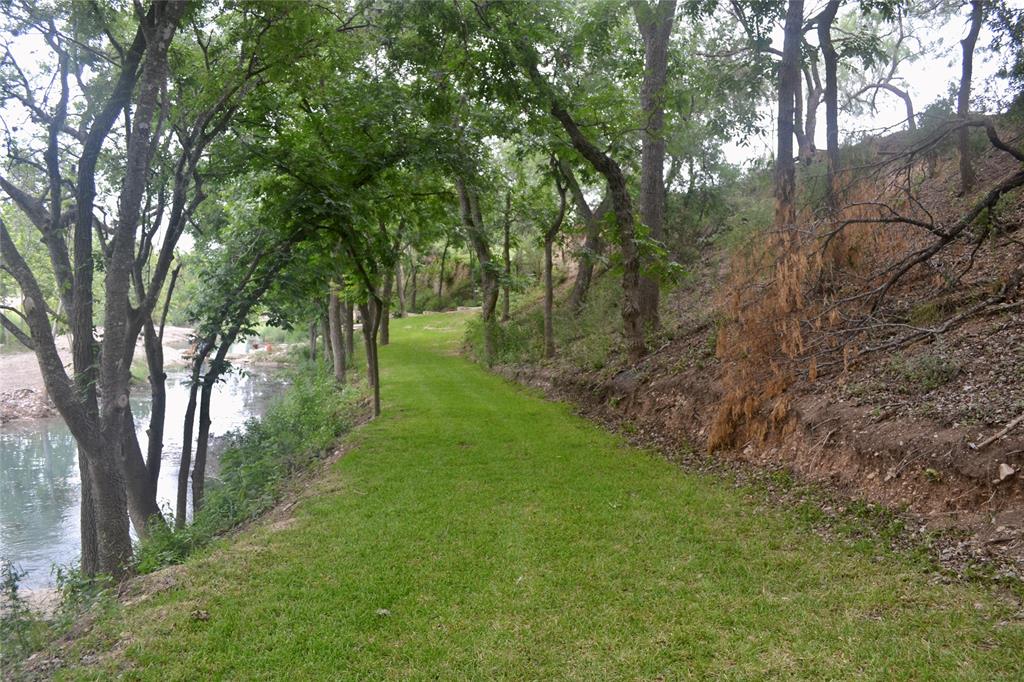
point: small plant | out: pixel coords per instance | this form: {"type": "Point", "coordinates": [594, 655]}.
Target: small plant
{"type": "Point", "coordinates": [923, 373]}
{"type": "Point", "coordinates": [22, 631]}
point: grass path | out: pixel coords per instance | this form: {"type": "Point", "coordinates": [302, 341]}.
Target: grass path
{"type": "Point", "coordinates": [478, 532]}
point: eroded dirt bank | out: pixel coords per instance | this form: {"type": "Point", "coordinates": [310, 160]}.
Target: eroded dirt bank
{"type": "Point", "coordinates": [872, 447]}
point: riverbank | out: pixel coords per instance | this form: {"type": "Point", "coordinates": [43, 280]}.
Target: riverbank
{"type": "Point", "coordinates": [477, 531]}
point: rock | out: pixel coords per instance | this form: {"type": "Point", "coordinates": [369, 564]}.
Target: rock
{"type": "Point", "coordinates": [1005, 471]}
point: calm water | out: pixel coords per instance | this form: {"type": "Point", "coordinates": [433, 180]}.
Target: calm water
{"type": "Point", "coordinates": [40, 485]}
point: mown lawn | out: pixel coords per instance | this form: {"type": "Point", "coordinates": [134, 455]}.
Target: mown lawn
{"type": "Point", "coordinates": [479, 532]}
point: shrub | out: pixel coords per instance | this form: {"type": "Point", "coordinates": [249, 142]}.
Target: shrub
{"type": "Point", "coordinates": [297, 430]}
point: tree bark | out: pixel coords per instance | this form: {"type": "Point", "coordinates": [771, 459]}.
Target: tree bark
{"type": "Point", "coordinates": [385, 309]}
{"type": "Point", "coordinates": [592, 245]}
{"type": "Point", "coordinates": [140, 491]}
{"type": "Point", "coordinates": [655, 24]}
{"type": "Point", "coordinates": [371, 325]}
{"type": "Point", "coordinates": [831, 59]}
{"type": "Point", "coordinates": [549, 289]}
{"type": "Point", "coordinates": [506, 283]}
{"type": "Point", "coordinates": [312, 341]}
{"type": "Point", "coordinates": [963, 98]}
{"type": "Point", "coordinates": [440, 275]}
{"type": "Point", "coordinates": [412, 281]}
{"type": "Point", "coordinates": [325, 334]}
{"type": "Point", "coordinates": [348, 326]}
{"type": "Point", "coordinates": [400, 286]}
{"type": "Point", "coordinates": [188, 429]}
{"type": "Point", "coordinates": [789, 84]}
{"type": "Point", "coordinates": [472, 221]}
{"type": "Point", "coordinates": [336, 336]}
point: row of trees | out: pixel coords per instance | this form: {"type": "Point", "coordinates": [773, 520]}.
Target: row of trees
{"type": "Point", "coordinates": [311, 149]}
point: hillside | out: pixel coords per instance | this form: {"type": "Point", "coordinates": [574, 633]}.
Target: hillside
{"type": "Point", "coordinates": [890, 405]}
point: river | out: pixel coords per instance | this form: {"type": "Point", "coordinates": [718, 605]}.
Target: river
{"type": "Point", "coordinates": [39, 480]}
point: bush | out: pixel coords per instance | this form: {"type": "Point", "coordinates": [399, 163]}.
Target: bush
{"type": "Point", "coordinates": [297, 430]}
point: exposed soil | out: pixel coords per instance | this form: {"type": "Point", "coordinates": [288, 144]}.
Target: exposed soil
{"type": "Point", "coordinates": [898, 428]}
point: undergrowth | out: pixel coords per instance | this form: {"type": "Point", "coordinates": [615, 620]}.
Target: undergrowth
{"type": "Point", "coordinates": [585, 339]}
{"type": "Point", "coordinates": [297, 430]}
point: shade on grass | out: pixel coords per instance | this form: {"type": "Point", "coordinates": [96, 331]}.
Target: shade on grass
{"type": "Point", "coordinates": [476, 531]}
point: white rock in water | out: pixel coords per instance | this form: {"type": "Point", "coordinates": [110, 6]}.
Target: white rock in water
{"type": "Point", "coordinates": [1005, 471]}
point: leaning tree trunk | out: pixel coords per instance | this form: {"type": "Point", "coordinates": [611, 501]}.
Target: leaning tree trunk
{"type": "Point", "coordinates": [789, 84]}
{"type": "Point", "coordinates": [655, 24]}
{"type": "Point", "coordinates": [963, 98]}
{"type": "Point", "coordinates": [622, 205]}
{"type": "Point", "coordinates": [336, 336]}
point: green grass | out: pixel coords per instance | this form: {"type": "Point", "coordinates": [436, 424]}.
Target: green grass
{"type": "Point", "coordinates": [476, 531]}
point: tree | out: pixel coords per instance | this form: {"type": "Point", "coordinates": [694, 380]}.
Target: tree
{"type": "Point", "coordinates": [655, 24]}
{"type": "Point", "coordinates": [963, 98]}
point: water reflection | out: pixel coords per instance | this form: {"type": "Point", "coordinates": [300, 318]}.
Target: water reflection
{"type": "Point", "coordinates": [39, 478]}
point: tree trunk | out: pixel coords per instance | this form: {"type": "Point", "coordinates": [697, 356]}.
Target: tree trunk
{"type": "Point", "coordinates": [200, 353]}
{"type": "Point", "coordinates": [591, 242]}
{"type": "Point", "coordinates": [655, 24]}
{"type": "Point", "coordinates": [348, 326]}
{"type": "Point", "coordinates": [549, 298]}
{"type": "Point", "coordinates": [336, 337]}
{"type": "Point", "coordinates": [158, 410]}
{"type": "Point", "coordinates": [371, 324]}
{"type": "Point", "coordinates": [440, 276]}
{"type": "Point", "coordinates": [90, 557]}
{"type": "Point", "coordinates": [789, 83]}
{"type": "Point", "coordinates": [202, 441]}
{"type": "Point", "coordinates": [109, 517]}
{"type": "Point", "coordinates": [506, 283]}
{"type": "Point", "coordinates": [400, 285]}
{"type": "Point", "coordinates": [472, 220]}
{"type": "Point", "coordinates": [963, 98]}
{"type": "Point", "coordinates": [325, 334]}
{"type": "Point", "coordinates": [140, 491]}
{"type": "Point", "coordinates": [312, 341]}
{"type": "Point", "coordinates": [831, 59]}
{"type": "Point", "coordinates": [185, 463]}
{"type": "Point", "coordinates": [412, 281]}
{"type": "Point", "coordinates": [385, 311]}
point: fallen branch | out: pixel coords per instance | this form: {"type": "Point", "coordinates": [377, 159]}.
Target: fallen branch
{"type": "Point", "coordinates": [1006, 429]}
